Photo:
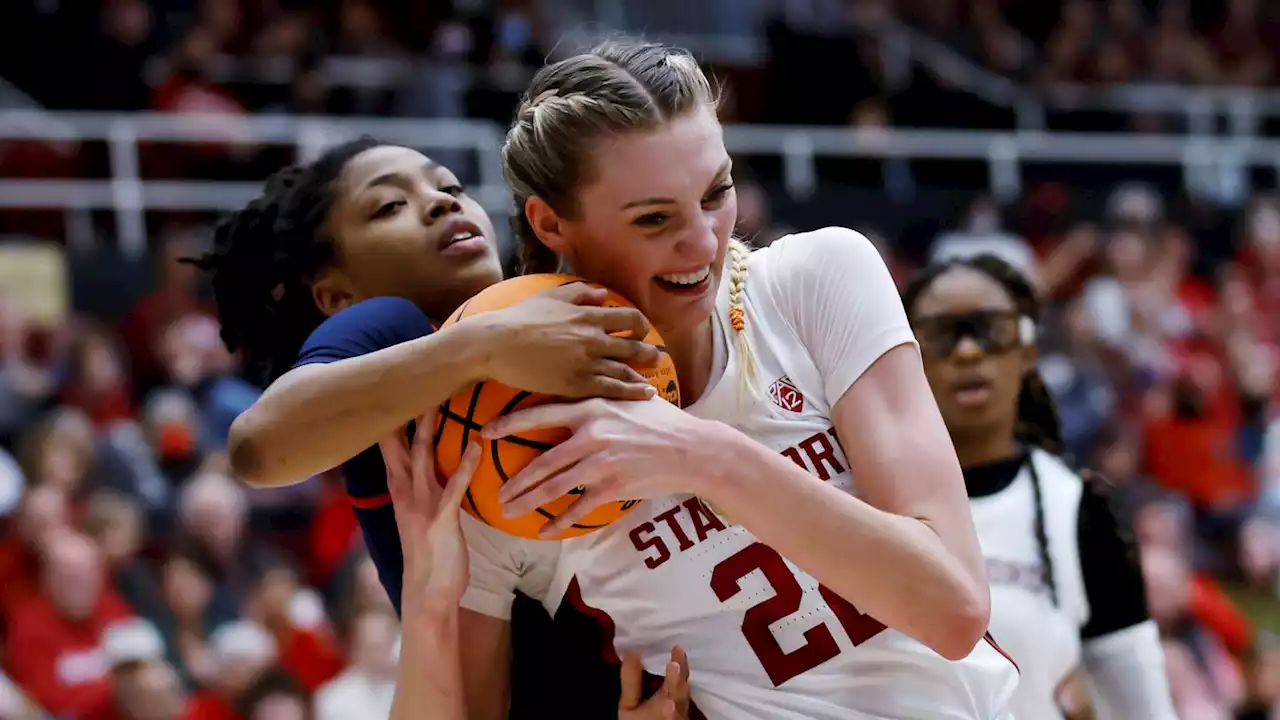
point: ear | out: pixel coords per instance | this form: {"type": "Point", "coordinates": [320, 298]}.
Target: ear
{"type": "Point", "coordinates": [547, 224]}
{"type": "Point", "coordinates": [332, 292]}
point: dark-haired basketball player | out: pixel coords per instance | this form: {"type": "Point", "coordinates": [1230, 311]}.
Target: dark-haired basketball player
{"type": "Point", "coordinates": [331, 283]}
{"type": "Point", "coordinates": [1066, 587]}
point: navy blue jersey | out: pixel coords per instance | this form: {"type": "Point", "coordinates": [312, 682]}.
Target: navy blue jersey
{"type": "Point", "coordinates": [363, 328]}
{"type": "Point", "coordinates": [547, 652]}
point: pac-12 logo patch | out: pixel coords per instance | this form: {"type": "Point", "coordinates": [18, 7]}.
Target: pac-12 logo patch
{"type": "Point", "coordinates": [786, 395]}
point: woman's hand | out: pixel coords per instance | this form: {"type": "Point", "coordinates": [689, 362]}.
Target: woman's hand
{"type": "Point", "coordinates": [671, 702]}
{"type": "Point", "coordinates": [619, 451]}
{"type": "Point", "coordinates": [561, 343]}
{"type": "Point", "coordinates": [435, 553]}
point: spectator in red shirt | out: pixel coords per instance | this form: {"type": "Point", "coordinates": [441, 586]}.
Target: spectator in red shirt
{"type": "Point", "coordinates": [308, 650]}
{"type": "Point", "coordinates": [54, 645]}
{"type": "Point", "coordinates": [43, 509]}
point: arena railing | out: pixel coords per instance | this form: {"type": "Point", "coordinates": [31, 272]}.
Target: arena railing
{"type": "Point", "coordinates": [1211, 166]}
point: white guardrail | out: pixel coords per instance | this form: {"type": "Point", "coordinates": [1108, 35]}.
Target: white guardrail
{"type": "Point", "coordinates": [1207, 162]}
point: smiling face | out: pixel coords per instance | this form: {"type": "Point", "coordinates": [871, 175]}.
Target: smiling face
{"type": "Point", "coordinates": [404, 226]}
{"type": "Point", "coordinates": [654, 219]}
{"type": "Point", "coordinates": [968, 328]}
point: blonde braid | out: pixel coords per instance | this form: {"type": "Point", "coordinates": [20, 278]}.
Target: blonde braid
{"type": "Point", "coordinates": [739, 260]}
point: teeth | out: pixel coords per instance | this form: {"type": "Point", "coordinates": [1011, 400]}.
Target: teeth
{"type": "Point", "coordinates": [692, 278]}
{"type": "Point", "coordinates": [464, 235]}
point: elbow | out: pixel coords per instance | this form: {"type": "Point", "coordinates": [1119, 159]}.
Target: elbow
{"type": "Point", "coordinates": [964, 625]}
{"type": "Point", "coordinates": [245, 451]}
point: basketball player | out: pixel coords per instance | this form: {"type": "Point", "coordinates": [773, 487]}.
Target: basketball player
{"type": "Point", "coordinates": [329, 285]}
{"type": "Point", "coordinates": [805, 534]}
{"type": "Point", "coordinates": [1066, 584]}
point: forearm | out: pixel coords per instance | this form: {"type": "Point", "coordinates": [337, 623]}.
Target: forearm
{"type": "Point", "coordinates": [317, 417]}
{"type": "Point", "coordinates": [430, 683]}
{"type": "Point", "coordinates": [893, 568]}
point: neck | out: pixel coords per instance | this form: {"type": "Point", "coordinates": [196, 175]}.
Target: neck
{"type": "Point", "coordinates": [985, 445]}
{"type": "Point", "coordinates": [692, 351]}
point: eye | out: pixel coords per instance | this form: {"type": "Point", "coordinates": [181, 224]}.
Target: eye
{"type": "Point", "coordinates": [455, 190]}
{"type": "Point", "coordinates": [388, 209]}
{"type": "Point", "coordinates": [717, 196]}
{"type": "Point", "coordinates": [652, 220]}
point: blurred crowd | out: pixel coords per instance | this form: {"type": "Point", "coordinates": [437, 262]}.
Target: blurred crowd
{"type": "Point", "coordinates": [1231, 43]}
{"type": "Point", "coordinates": [139, 580]}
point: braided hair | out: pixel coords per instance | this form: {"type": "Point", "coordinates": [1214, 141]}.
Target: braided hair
{"type": "Point", "coordinates": [265, 256]}
{"type": "Point", "coordinates": [1037, 423]}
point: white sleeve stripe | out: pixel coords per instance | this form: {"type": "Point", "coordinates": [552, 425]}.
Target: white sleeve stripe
{"type": "Point", "coordinates": [1126, 674]}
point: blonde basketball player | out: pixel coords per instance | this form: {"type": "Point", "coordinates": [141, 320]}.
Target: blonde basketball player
{"type": "Point", "coordinates": [805, 534]}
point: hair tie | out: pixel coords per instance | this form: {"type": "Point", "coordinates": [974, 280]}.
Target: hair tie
{"type": "Point", "coordinates": [737, 320]}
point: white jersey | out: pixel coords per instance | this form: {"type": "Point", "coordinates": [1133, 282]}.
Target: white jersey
{"type": "Point", "coordinates": [1096, 616]}
{"type": "Point", "coordinates": [764, 640]}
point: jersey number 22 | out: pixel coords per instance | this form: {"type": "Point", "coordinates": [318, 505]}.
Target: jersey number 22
{"type": "Point", "coordinates": [819, 644]}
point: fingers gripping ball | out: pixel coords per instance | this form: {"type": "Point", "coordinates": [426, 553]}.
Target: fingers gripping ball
{"type": "Point", "coordinates": [460, 420]}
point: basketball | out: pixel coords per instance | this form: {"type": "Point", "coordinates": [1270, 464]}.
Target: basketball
{"type": "Point", "coordinates": [459, 421]}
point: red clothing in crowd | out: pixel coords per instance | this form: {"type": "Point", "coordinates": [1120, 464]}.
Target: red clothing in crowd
{"type": "Point", "coordinates": [19, 569]}
{"type": "Point", "coordinates": [58, 661]}
{"type": "Point", "coordinates": [1199, 457]}
{"type": "Point", "coordinates": [1212, 607]}
{"type": "Point", "coordinates": [311, 656]}
{"type": "Point", "coordinates": [334, 530]}
{"type": "Point", "coordinates": [206, 705]}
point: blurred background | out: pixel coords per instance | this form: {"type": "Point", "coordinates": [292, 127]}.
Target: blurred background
{"type": "Point", "coordinates": [1122, 152]}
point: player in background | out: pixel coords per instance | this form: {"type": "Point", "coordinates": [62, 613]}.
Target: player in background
{"type": "Point", "coordinates": [329, 284]}
{"type": "Point", "coordinates": [806, 498]}
{"type": "Point", "coordinates": [1066, 585]}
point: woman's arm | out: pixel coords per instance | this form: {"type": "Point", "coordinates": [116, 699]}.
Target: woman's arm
{"type": "Point", "coordinates": [390, 369]}
{"type": "Point", "coordinates": [1126, 674]}
{"type": "Point", "coordinates": [316, 417]}
{"type": "Point", "coordinates": [905, 552]}
{"type": "Point", "coordinates": [1121, 651]}
{"type": "Point", "coordinates": [430, 685]}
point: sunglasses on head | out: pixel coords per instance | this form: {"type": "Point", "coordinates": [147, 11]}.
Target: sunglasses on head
{"type": "Point", "coordinates": [994, 331]}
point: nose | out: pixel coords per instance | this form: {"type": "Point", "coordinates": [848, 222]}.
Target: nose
{"type": "Point", "coordinates": [967, 349]}
{"type": "Point", "coordinates": [700, 244]}
{"type": "Point", "coordinates": [439, 205]}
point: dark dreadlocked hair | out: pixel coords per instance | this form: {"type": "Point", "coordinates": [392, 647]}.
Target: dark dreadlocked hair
{"type": "Point", "coordinates": [1038, 423]}
{"type": "Point", "coordinates": [265, 256]}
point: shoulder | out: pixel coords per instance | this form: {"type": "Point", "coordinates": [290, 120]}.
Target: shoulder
{"type": "Point", "coordinates": [821, 264]}
{"type": "Point", "coordinates": [365, 327]}
{"type": "Point", "coordinates": [815, 249]}
{"type": "Point", "coordinates": [391, 315]}
{"type": "Point", "coordinates": [1062, 486]}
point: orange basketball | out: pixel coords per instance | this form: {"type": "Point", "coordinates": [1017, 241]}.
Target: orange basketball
{"type": "Point", "coordinates": [465, 414]}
